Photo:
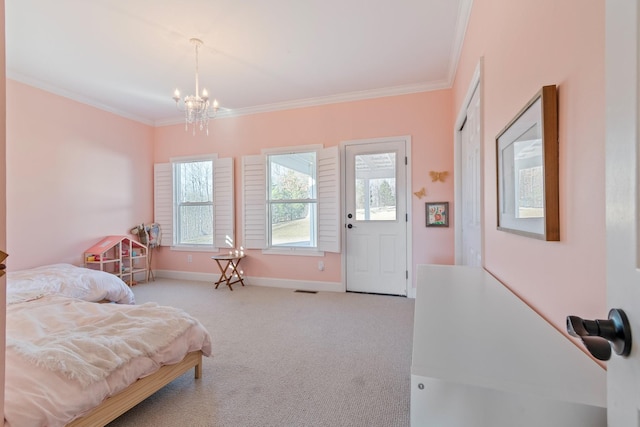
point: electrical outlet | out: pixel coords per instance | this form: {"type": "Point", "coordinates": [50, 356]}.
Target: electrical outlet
{"type": "Point", "coordinates": [321, 265]}
{"type": "Point", "coordinates": [189, 258]}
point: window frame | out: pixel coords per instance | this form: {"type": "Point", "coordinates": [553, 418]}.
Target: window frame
{"type": "Point", "coordinates": [175, 162]}
{"type": "Point", "coordinates": [284, 249]}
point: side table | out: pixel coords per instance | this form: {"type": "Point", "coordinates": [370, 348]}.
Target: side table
{"type": "Point", "coordinates": [225, 263]}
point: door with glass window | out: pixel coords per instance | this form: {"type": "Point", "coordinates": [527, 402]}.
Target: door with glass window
{"type": "Point", "coordinates": [376, 217]}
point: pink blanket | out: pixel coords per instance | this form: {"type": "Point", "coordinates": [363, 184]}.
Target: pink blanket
{"type": "Point", "coordinates": [61, 384]}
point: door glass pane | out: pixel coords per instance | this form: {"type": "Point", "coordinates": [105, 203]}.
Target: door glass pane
{"type": "Point", "coordinates": [375, 187]}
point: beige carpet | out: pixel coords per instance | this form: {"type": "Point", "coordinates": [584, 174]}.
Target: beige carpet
{"type": "Point", "coordinates": [283, 358]}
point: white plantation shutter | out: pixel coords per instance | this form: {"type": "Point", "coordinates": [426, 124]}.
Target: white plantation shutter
{"type": "Point", "coordinates": [163, 201]}
{"type": "Point", "coordinates": [328, 175]}
{"type": "Point", "coordinates": [223, 203]}
{"type": "Point", "coordinates": [254, 193]}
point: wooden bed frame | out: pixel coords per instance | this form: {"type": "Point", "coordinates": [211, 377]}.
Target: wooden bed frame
{"type": "Point", "coordinates": [120, 403]}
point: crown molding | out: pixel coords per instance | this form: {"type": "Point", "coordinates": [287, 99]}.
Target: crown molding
{"type": "Point", "coordinates": [323, 100]}
{"type": "Point", "coordinates": [74, 96]}
{"type": "Point", "coordinates": [464, 12]}
{"type": "Point", "coordinates": [227, 112]}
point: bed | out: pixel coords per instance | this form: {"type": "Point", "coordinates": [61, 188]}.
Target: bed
{"type": "Point", "coordinates": [68, 280]}
{"type": "Point", "coordinates": [73, 362]}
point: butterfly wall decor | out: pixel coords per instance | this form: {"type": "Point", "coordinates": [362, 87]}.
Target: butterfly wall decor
{"type": "Point", "coordinates": [420, 194]}
{"type": "Point", "coordinates": [438, 176]}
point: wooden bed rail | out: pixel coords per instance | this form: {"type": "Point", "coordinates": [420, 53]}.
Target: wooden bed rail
{"type": "Point", "coordinates": [120, 403]}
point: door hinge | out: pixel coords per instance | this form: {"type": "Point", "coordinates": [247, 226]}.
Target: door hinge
{"type": "Point", "coordinates": [406, 162]}
{"type": "Point", "coordinates": [406, 217]}
{"type": "Point", "coordinates": [407, 274]}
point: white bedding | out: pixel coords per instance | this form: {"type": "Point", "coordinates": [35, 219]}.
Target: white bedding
{"type": "Point", "coordinates": [42, 394]}
{"type": "Point", "coordinates": [67, 280]}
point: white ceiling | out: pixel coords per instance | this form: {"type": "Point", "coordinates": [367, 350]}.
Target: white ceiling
{"type": "Point", "coordinates": [128, 56]}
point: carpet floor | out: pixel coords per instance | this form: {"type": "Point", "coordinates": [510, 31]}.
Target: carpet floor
{"type": "Point", "coordinates": [286, 359]}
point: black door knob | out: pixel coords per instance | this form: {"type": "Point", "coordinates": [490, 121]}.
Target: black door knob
{"type": "Point", "coordinates": [349, 225]}
{"type": "Point", "coordinates": [600, 336]}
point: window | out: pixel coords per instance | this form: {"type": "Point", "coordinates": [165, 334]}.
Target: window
{"type": "Point", "coordinates": [193, 203]}
{"type": "Point", "coordinates": [291, 201]}
{"type": "Point", "coordinates": [193, 211]}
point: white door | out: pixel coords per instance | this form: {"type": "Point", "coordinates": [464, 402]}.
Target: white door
{"type": "Point", "coordinates": [622, 215]}
{"type": "Point", "coordinates": [376, 217]}
{"type": "Point", "coordinates": [471, 185]}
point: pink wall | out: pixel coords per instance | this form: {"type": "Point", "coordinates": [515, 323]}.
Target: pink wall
{"type": "Point", "coordinates": [525, 45]}
{"type": "Point", "coordinates": [83, 173]}
{"type": "Point", "coordinates": [427, 117]}
{"type": "Point", "coordinates": [74, 174]}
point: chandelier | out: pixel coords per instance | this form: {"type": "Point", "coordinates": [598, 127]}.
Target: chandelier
{"type": "Point", "coordinates": [197, 108]}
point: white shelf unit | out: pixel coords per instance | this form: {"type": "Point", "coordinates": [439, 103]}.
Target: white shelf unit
{"type": "Point", "coordinates": [483, 358]}
{"type": "Point", "coordinates": [119, 255]}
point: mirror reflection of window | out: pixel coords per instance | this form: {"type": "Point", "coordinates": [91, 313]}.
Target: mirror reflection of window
{"type": "Point", "coordinates": [528, 176]}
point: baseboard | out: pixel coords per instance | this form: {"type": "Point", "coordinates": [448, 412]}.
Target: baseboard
{"type": "Point", "coordinates": [271, 282]}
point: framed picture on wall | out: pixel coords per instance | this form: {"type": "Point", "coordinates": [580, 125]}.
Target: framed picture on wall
{"type": "Point", "coordinates": [437, 214]}
{"type": "Point", "coordinates": [527, 167]}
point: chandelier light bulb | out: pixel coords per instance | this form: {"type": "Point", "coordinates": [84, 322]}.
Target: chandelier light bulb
{"type": "Point", "coordinates": [205, 94]}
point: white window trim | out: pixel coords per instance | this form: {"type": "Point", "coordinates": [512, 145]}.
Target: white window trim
{"type": "Point", "coordinates": [291, 250]}
{"type": "Point", "coordinates": [292, 150]}
{"type": "Point", "coordinates": [186, 159]}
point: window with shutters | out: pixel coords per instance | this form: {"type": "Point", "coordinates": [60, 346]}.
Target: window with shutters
{"type": "Point", "coordinates": [193, 203]}
{"type": "Point", "coordinates": [291, 200]}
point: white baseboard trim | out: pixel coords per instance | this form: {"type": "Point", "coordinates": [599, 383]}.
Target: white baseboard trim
{"type": "Point", "coordinates": [412, 293]}
{"type": "Point", "coordinates": [271, 282]}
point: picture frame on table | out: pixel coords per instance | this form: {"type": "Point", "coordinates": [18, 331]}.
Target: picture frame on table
{"type": "Point", "coordinates": [527, 169]}
{"type": "Point", "coordinates": [437, 214]}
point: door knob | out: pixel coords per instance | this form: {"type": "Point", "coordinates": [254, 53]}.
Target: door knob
{"type": "Point", "coordinates": [600, 336]}
{"type": "Point", "coordinates": [349, 225]}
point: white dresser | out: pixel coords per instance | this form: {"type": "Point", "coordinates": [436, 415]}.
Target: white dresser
{"type": "Point", "coordinates": [483, 358]}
